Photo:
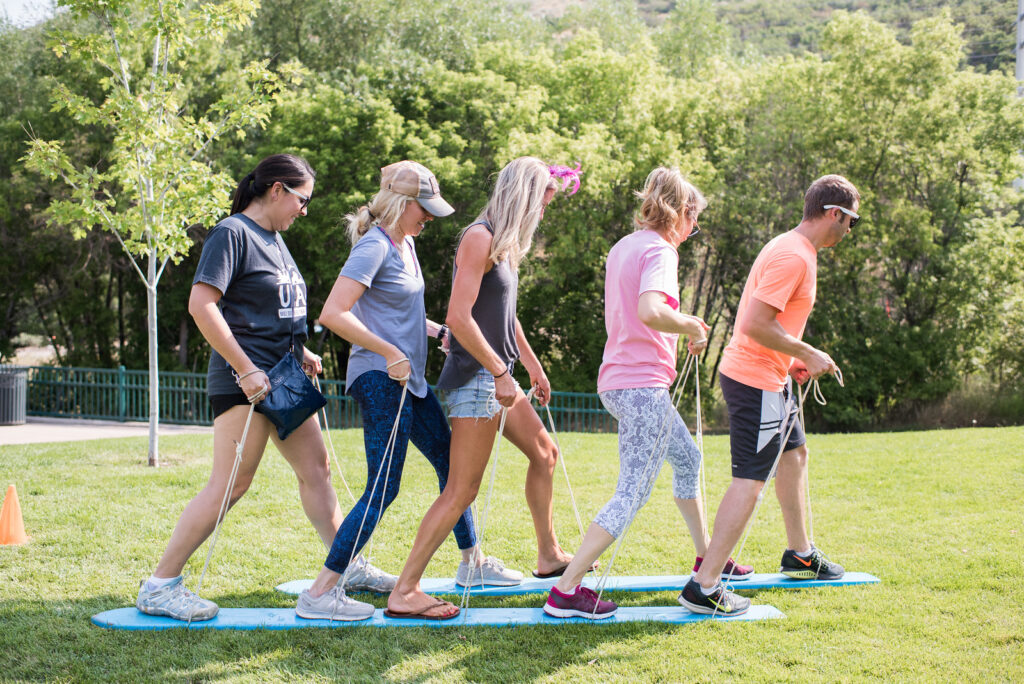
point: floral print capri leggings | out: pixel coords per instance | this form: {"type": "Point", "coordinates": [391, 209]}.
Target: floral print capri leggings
{"type": "Point", "coordinates": [641, 414]}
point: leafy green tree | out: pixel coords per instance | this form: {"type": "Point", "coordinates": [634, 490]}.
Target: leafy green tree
{"type": "Point", "coordinates": [155, 179]}
{"type": "Point", "coordinates": [933, 150]}
{"type": "Point", "coordinates": [691, 36]}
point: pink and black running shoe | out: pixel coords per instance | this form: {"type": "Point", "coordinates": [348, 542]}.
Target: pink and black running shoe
{"type": "Point", "coordinates": [581, 603]}
{"type": "Point", "coordinates": [732, 570]}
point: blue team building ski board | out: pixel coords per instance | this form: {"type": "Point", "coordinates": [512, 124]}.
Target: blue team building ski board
{"type": "Point", "coordinates": [285, 618]}
{"type": "Point", "coordinates": [641, 583]}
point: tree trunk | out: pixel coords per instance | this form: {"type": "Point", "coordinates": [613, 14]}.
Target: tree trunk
{"type": "Point", "coordinates": [120, 317]}
{"type": "Point", "coordinates": [154, 373]}
{"type": "Point", "coordinates": [183, 341]}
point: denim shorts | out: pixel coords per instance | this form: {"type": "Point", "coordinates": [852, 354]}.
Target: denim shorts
{"type": "Point", "coordinates": [475, 399]}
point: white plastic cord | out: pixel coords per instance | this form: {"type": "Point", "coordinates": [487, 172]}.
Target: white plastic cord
{"type": "Point", "coordinates": [239, 446]}
{"type": "Point", "coordinates": [651, 470]}
{"type": "Point", "coordinates": [798, 396]}
{"type": "Point", "coordinates": [389, 452]}
{"type": "Point", "coordinates": [820, 398]}
{"type": "Point", "coordinates": [475, 556]}
{"type": "Point", "coordinates": [561, 459]}
{"type": "Point", "coordinates": [330, 442]}
{"type": "Point", "coordinates": [700, 447]}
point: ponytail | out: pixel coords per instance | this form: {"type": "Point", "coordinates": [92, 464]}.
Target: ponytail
{"type": "Point", "coordinates": [358, 223]}
{"type": "Point", "coordinates": [383, 210]}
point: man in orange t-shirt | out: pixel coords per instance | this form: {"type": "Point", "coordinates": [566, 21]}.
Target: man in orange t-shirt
{"type": "Point", "coordinates": [765, 348]}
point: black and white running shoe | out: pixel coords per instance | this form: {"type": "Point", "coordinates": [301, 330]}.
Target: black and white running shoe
{"type": "Point", "coordinates": [720, 602]}
{"type": "Point", "coordinates": [814, 566]}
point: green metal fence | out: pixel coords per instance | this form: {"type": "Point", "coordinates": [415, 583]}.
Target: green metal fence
{"type": "Point", "coordinates": [120, 394]}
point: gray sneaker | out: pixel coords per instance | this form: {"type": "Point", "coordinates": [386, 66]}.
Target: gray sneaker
{"type": "Point", "coordinates": [333, 605]}
{"type": "Point", "coordinates": [362, 576]}
{"type": "Point", "coordinates": [175, 601]}
{"type": "Point", "coordinates": [492, 572]}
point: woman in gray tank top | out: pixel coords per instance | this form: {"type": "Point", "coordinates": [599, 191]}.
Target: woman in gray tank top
{"type": "Point", "coordinates": [486, 341]}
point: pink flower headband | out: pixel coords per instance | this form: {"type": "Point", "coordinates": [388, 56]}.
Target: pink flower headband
{"type": "Point", "coordinates": [568, 175]}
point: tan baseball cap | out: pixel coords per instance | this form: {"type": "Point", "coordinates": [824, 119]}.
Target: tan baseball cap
{"type": "Point", "coordinates": [415, 180]}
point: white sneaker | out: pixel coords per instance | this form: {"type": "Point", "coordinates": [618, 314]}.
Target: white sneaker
{"type": "Point", "coordinates": [491, 572]}
{"type": "Point", "coordinates": [362, 576]}
{"type": "Point", "coordinates": [175, 601]}
{"type": "Point", "coordinates": [333, 605]}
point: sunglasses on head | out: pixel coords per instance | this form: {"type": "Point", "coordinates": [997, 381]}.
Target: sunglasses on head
{"type": "Point", "coordinates": [853, 217]}
{"type": "Point", "coordinates": [305, 199]}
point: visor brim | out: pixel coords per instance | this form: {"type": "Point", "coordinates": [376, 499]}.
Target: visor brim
{"type": "Point", "coordinates": [436, 206]}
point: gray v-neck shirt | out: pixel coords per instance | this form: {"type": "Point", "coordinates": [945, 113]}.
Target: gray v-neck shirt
{"type": "Point", "coordinates": [263, 295]}
{"type": "Point", "coordinates": [391, 308]}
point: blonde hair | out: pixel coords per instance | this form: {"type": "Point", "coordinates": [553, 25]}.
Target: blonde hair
{"type": "Point", "coordinates": [384, 209]}
{"type": "Point", "coordinates": [666, 197]}
{"type": "Point", "coordinates": [515, 206]}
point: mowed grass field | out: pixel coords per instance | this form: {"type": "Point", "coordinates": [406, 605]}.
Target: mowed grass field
{"type": "Point", "coordinates": [938, 516]}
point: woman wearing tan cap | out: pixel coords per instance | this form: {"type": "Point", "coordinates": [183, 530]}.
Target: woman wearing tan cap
{"type": "Point", "coordinates": [486, 341]}
{"type": "Point", "coordinates": [377, 305]}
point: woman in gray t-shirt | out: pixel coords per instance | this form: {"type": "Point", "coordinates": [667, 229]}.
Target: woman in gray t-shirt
{"type": "Point", "coordinates": [249, 302]}
{"type": "Point", "coordinates": [487, 340]}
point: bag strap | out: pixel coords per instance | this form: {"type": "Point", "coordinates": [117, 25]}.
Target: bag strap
{"type": "Point", "coordinates": [291, 295]}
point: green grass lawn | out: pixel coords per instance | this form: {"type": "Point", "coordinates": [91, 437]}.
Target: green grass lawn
{"type": "Point", "coordinates": [938, 516]}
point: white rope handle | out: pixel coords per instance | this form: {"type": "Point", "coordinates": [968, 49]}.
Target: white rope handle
{"type": "Point", "coordinates": [239, 446]}
{"type": "Point", "coordinates": [820, 398]}
{"type": "Point", "coordinates": [330, 442]}
{"type": "Point", "coordinates": [561, 459]}
{"type": "Point", "coordinates": [389, 452]}
{"type": "Point", "coordinates": [475, 556]}
{"type": "Point", "coordinates": [700, 447]}
{"type": "Point", "coordinates": [650, 473]}
{"type": "Point", "coordinates": [799, 396]}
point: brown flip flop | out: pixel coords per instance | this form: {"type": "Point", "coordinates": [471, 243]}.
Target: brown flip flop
{"type": "Point", "coordinates": [422, 614]}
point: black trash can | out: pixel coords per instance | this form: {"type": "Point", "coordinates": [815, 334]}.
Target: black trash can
{"type": "Point", "coordinates": [13, 394]}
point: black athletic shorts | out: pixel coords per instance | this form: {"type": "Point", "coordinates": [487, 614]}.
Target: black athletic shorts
{"type": "Point", "coordinates": [222, 402]}
{"type": "Point", "coordinates": [756, 426]}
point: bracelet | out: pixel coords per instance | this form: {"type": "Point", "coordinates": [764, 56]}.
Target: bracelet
{"type": "Point", "coordinates": [500, 374]}
{"type": "Point", "coordinates": [442, 332]}
{"type": "Point", "coordinates": [239, 378]}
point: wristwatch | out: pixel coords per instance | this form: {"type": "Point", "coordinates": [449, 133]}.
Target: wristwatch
{"type": "Point", "coordinates": [442, 332]}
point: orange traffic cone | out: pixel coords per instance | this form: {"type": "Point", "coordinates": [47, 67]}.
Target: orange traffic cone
{"type": "Point", "coordinates": [12, 527]}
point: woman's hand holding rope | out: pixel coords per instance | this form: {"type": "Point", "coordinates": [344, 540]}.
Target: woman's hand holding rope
{"type": "Point", "coordinates": [312, 364]}
{"type": "Point", "coordinates": [398, 366]}
{"type": "Point", "coordinates": [697, 330]}
{"type": "Point", "coordinates": [505, 389]}
{"type": "Point", "coordinates": [254, 384]}
{"type": "Point", "coordinates": [541, 385]}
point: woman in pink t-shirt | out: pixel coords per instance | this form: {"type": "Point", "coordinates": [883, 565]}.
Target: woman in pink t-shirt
{"type": "Point", "coordinates": [644, 323]}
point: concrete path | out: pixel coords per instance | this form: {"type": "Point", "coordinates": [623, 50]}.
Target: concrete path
{"type": "Point", "coordinates": [37, 430]}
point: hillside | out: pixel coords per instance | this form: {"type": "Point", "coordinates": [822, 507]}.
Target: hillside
{"type": "Point", "coordinates": [773, 28]}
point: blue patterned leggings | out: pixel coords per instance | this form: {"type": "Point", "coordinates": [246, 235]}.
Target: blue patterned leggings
{"type": "Point", "coordinates": [641, 414]}
{"type": "Point", "coordinates": [423, 422]}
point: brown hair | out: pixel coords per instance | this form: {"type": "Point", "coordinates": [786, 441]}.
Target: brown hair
{"type": "Point", "coordinates": [277, 168]}
{"type": "Point", "coordinates": [665, 196]}
{"type": "Point", "coordinates": [831, 189]}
